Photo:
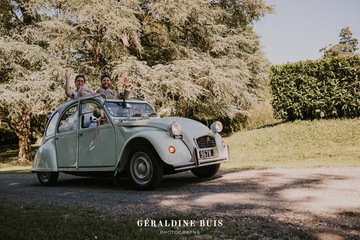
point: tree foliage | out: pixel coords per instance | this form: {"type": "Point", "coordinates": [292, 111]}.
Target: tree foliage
{"type": "Point", "coordinates": [347, 45]}
{"type": "Point", "coordinates": [28, 76]}
{"type": "Point", "coordinates": [205, 61]}
{"type": "Point", "coordinates": [90, 34]}
{"type": "Point", "coordinates": [197, 59]}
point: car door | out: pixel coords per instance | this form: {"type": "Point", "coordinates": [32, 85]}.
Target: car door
{"type": "Point", "coordinates": [96, 141]}
{"type": "Point", "coordinates": [67, 138]}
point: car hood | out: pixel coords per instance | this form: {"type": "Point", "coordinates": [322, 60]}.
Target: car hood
{"type": "Point", "coordinates": [189, 127]}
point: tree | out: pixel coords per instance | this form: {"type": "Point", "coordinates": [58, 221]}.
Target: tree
{"type": "Point", "coordinates": [90, 35]}
{"type": "Point", "coordinates": [198, 59]}
{"type": "Point", "coordinates": [206, 62]}
{"type": "Point", "coordinates": [347, 45]}
{"type": "Point", "coordinates": [193, 55]}
{"type": "Point", "coordinates": [28, 75]}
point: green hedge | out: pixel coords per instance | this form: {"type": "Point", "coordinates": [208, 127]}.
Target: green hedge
{"type": "Point", "coordinates": [324, 88]}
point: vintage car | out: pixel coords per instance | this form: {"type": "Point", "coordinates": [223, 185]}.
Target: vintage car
{"type": "Point", "coordinates": [91, 136]}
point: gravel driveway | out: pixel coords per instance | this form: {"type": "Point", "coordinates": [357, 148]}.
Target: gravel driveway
{"type": "Point", "coordinates": [312, 203]}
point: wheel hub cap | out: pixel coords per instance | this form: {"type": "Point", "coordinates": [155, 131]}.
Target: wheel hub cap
{"type": "Point", "coordinates": [142, 168]}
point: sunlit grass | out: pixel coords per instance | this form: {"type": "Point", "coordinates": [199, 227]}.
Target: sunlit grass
{"type": "Point", "coordinates": [319, 143]}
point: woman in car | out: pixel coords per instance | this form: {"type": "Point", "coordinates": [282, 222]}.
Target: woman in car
{"type": "Point", "coordinates": [81, 88]}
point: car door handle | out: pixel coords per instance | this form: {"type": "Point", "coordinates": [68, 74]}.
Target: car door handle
{"type": "Point", "coordinates": [80, 134]}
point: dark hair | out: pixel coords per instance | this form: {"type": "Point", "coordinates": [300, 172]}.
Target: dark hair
{"type": "Point", "coordinates": [80, 75]}
{"type": "Point", "coordinates": [97, 112]}
{"type": "Point", "coordinates": [104, 76]}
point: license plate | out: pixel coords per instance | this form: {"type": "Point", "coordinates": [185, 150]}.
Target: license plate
{"type": "Point", "coordinates": [208, 153]}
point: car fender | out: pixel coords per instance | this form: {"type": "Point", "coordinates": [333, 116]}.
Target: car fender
{"type": "Point", "coordinates": [45, 158]}
{"type": "Point", "coordinates": [160, 141]}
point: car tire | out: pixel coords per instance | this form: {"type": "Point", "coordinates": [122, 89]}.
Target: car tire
{"type": "Point", "coordinates": [48, 178]}
{"type": "Point", "coordinates": [206, 171]}
{"type": "Point", "coordinates": [145, 168]}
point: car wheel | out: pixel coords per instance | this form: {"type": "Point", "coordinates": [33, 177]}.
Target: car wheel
{"type": "Point", "coordinates": [145, 168]}
{"type": "Point", "coordinates": [206, 171]}
{"type": "Point", "coordinates": [48, 178]}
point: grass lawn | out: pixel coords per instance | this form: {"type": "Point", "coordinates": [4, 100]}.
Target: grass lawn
{"type": "Point", "coordinates": [72, 223]}
{"type": "Point", "coordinates": [299, 144]}
{"type": "Point", "coordinates": [9, 156]}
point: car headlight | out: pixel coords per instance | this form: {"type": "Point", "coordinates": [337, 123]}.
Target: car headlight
{"type": "Point", "coordinates": [216, 127]}
{"type": "Point", "coordinates": [174, 129]}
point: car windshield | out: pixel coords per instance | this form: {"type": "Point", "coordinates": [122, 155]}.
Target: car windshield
{"type": "Point", "coordinates": [131, 110]}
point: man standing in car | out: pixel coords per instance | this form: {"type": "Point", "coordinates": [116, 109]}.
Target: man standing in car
{"type": "Point", "coordinates": [107, 91]}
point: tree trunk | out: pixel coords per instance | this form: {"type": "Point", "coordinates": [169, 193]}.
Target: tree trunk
{"type": "Point", "coordinates": [24, 134]}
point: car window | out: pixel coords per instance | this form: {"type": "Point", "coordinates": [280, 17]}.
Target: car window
{"type": "Point", "coordinates": [52, 125]}
{"type": "Point", "coordinates": [69, 120]}
{"type": "Point", "coordinates": [130, 110]}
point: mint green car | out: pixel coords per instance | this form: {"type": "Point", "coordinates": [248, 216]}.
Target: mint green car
{"type": "Point", "coordinates": [91, 136]}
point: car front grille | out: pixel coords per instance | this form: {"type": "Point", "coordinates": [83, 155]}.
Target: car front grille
{"type": "Point", "coordinates": [206, 142]}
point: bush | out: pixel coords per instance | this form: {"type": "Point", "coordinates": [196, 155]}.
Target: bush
{"type": "Point", "coordinates": [7, 136]}
{"type": "Point", "coordinates": [325, 88]}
